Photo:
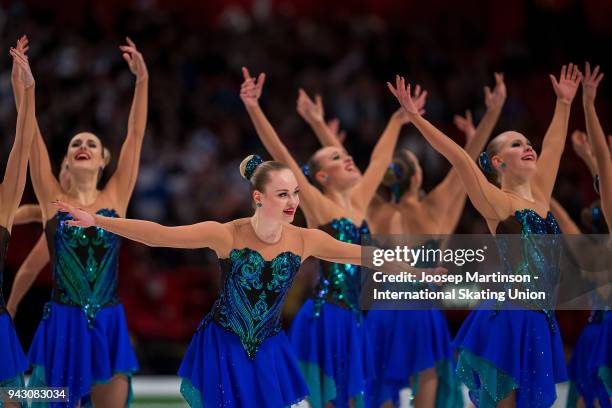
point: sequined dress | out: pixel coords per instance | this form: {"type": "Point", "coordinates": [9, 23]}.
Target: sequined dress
{"type": "Point", "coordinates": [501, 351]}
{"type": "Point", "coordinates": [407, 342]}
{"type": "Point", "coordinates": [239, 356]}
{"type": "Point", "coordinates": [328, 333]}
{"type": "Point", "coordinates": [82, 339]}
{"type": "Point", "coordinates": [589, 366]}
{"type": "Point", "coordinates": [13, 361]}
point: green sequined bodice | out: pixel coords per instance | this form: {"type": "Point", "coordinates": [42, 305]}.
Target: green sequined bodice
{"type": "Point", "coordinates": [252, 295]}
{"type": "Point", "coordinates": [84, 263]}
{"type": "Point", "coordinates": [341, 283]}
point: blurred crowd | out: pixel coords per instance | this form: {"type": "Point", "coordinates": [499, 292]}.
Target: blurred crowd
{"type": "Point", "coordinates": [198, 131]}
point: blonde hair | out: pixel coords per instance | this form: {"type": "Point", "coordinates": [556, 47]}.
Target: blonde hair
{"type": "Point", "coordinates": [259, 176]}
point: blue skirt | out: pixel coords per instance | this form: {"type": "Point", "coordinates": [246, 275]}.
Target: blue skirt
{"type": "Point", "coordinates": [65, 352]}
{"type": "Point", "coordinates": [217, 372]}
{"type": "Point", "coordinates": [14, 362]}
{"type": "Point", "coordinates": [333, 353]}
{"type": "Point", "coordinates": [584, 366]}
{"type": "Point", "coordinates": [506, 350]}
{"type": "Point", "coordinates": [406, 342]}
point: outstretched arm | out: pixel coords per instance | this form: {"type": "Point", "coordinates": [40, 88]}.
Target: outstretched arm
{"type": "Point", "coordinates": [554, 139]}
{"type": "Point", "coordinates": [27, 213]}
{"type": "Point", "coordinates": [250, 93]}
{"type": "Point", "coordinates": [601, 151]}
{"type": "Point", "coordinates": [27, 274]}
{"type": "Point", "coordinates": [13, 184]}
{"type": "Point", "coordinates": [121, 185]}
{"type": "Point", "coordinates": [44, 182]}
{"type": "Point", "coordinates": [490, 201]}
{"type": "Point", "coordinates": [208, 234]}
{"type": "Point", "coordinates": [312, 112]}
{"type": "Point", "coordinates": [382, 155]}
{"type": "Point", "coordinates": [323, 246]}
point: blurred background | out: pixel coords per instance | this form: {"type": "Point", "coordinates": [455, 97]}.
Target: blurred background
{"type": "Point", "coordinates": [198, 130]}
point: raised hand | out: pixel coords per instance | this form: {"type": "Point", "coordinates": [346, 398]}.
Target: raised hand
{"type": "Point", "coordinates": [135, 61]}
{"type": "Point", "coordinates": [590, 82]}
{"type": "Point", "coordinates": [80, 217]}
{"type": "Point", "coordinates": [413, 106]}
{"type": "Point", "coordinates": [311, 111]}
{"type": "Point", "coordinates": [566, 87]}
{"type": "Point", "coordinates": [465, 125]}
{"type": "Point", "coordinates": [23, 47]}
{"type": "Point", "coordinates": [495, 99]}
{"type": "Point", "coordinates": [21, 61]}
{"type": "Point", "coordinates": [334, 126]}
{"type": "Point", "coordinates": [250, 91]}
{"type": "Point", "coordinates": [582, 147]}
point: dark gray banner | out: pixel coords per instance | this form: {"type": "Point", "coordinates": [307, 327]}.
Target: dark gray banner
{"type": "Point", "coordinates": [538, 272]}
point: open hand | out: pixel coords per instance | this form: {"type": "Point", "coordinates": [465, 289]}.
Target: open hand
{"type": "Point", "coordinates": [466, 125]}
{"type": "Point", "coordinates": [250, 91]}
{"type": "Point", "coordinates": [311, 111]}
{"type": "Point", "coordinates": [495, 99]}
{"type": "Point", "coordinates": [20, 60]}
{"type": "Point", "coordinates": [80, 218]}
{"type": "Point", "coordinates": [134, 59]}
{"type": "Point", "coordinates": [590, 83]}
{"type": "Point", "coordinates": [566, 87]}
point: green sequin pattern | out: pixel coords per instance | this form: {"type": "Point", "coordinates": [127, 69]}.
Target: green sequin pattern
{"type": "Point", "coordinates": [252, 295]}
{"type": "Point", "coordinates": [341, 283]}
{"type": "Point", "coordinates": [539, 253]}
{"type": "Point", "coordinates": [85, 265]}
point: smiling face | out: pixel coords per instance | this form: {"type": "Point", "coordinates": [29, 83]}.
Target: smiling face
{"type": "Point", "coordinates": [280, 196]}
{"type": "Point", "coordinates": [336, 169]}
{"type": "Point", "coordinates": [85, 153]}
{"type": "Point", "coordinates": [513, 155]}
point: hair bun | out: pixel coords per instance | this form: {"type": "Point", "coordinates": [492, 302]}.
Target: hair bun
{"type": "Point", "coordinates": [249, 165]}
{"type": "Point", "coordinates": [485, 163]}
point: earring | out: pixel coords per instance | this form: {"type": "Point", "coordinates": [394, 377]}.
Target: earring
{"type": "Point", "coordinates": [259, 205]}
{"type": "Point", "coordinates": [503, 166]}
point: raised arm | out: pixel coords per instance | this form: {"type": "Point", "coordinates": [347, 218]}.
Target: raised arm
{"type": "Point", "coordinates": [554, 139]}
{"type": "Point", "coordinates": [488, 199]}
{"type": "Point", "coordinates": [582, 148]}
{"type": "Point", "coordinates": [494, 101]}
{"type": "Point", "coordinates": [27, 274]}
{"type": "Point", "coordinates": [208, 234]}
{"type": "Point", "coordinates": [27, 213]}
{"type": "Point", "coordinates": [44, 182]}
{"type": "Point", "coordinates": [312, 112]}
{"type": "Point", "coordinates": [382, 155]}
{"type": "Point", "coordinates": [250, 93]}
{"type": "Point", "coordinates": [121, 185]}
{"type": "Point", "coordinates": [448, 197]}
{"type": "Point", "coordinates": [13, 184]}
{"type": "Point", "coordinates": [601, 150]}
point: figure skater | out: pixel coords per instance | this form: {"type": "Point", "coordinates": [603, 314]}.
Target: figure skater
{"type": "Point", "coordinates": [14, 362]}
{"type": "Point", "coordinates": [82, 342]}
{"type": "Point", "coordinates": [328, 333]}
{"type": "Point", "coordinates": [510, 358]}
